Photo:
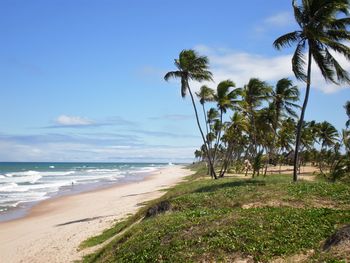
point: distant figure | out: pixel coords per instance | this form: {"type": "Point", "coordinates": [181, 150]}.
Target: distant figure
{"type": "Point", "coordinates": [247, 166]}
{"type": "Point", "coordinates": [72, 183]}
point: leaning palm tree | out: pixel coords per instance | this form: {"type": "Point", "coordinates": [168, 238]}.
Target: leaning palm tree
{"type": "Point", "coordinates": [322, 28]}
{"type": "Point", "coordinates": [191, 66]}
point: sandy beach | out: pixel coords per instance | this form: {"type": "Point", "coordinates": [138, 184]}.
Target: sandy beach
{"type": "Point", "coordinates": [53, 229]}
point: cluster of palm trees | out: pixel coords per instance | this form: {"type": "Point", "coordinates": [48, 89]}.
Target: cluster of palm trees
{"type": "Point", "coordinates": [263, 123]}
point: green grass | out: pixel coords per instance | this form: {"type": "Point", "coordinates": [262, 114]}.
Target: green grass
{"type": "Point", "coordinates": [106, 234]}
{"type": "Point", "coordinates": [207, 222]}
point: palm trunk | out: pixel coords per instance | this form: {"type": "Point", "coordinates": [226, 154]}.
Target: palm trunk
{"type": "Point", "coordinates": [202, 134]}
{"type": "Point", "coordinates": [320, 163]}
{"type": "Point", "coordinates": [207, 128]}
{"type": "Point", "coordinates": [205, 118]}
{"type": "Point", "coordinates": [267, 161]}
{"type": "Point", "coordinates": [226, 161]}
{"type": "Point", "coordinates": [218, 138]}
{"type": "Point", "coordinates": [301, 120]}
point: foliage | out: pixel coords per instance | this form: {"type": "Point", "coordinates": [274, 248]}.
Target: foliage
{"type": "Point", "coordinates": [219, 220]}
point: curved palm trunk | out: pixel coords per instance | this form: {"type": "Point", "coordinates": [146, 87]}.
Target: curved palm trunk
{"type": "Point", "coordinates": [202, 134]}
{"type": "Point", "coordinates": [300, 124]}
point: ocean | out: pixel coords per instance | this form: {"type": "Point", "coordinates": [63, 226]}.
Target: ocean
{"type": "Point", "coordinates": [24, 184]}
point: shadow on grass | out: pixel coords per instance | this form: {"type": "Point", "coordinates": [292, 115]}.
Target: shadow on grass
{"type": "Point", "coordinates": [214, 187]}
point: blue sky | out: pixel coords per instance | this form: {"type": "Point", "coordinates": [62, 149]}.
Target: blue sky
{"type": "Point", "coordinates": [83, 80]}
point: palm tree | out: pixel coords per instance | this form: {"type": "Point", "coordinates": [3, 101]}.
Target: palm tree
{"type": "Point", "coordinates": [205, 94]}
{"type": "Point", "coordinates": [321, 30]}
{"type": "Point", "coordinates": [212, 118]}
{"type": "Point", "coordinates": [253, 95]}
{"type": "Point", "coordinates": [328, 136]}
{"type": "Point", "coordinates": [225, 98]}
{"type": "Point", "coordinates": [266, 132]}
{"type": "Point", "coordinates": [285, 139]}
{"type": "Point", "coordinates": [191, 66]}
{"type": "Point", "coordinates": [283, 103]}
{"type": "Point", "coordinates": [233, 136]}
{"type": "Point", "coordinates": [284, 97]}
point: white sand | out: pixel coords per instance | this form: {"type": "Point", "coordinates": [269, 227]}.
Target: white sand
{"type": "Point", "coordinates": [38, 238]}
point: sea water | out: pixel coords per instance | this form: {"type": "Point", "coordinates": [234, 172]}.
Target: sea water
{"type": "Point", "coordinates": [24, 183]}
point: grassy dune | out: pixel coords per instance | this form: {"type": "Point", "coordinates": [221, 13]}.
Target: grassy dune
{"type": "Point", "coordinates": [260, 219]}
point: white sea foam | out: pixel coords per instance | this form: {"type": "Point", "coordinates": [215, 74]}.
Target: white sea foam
{"type": "Point", "coordinates": [33, 185]}
{"type": "Point", "coordinates": [8, 187]}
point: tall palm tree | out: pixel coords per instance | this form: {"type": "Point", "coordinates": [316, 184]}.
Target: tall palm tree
{"type": "Point", "coordinates": [225, 98]}
{"type": "Point", "coordinates": [253, 95]}
{"type": "Point", "coordinates": [191, 66]}
{"type": "Point", "coordinates": [321, 29]}
{"type": "Point", "coordinates": [205, 94]}
{"type": "Point", "coordinates": [284, 98]}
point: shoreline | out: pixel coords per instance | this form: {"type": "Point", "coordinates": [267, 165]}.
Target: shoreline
{"type": "Point", "coordinates": [54, 228]}
{"type": "Point", "coordinates": [25, 208]}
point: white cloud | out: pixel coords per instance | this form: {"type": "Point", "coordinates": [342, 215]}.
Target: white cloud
{"type": "Point", "coordinates": [57, 151]}
{"type": "Point", "coordinates": [280, 19]}
{"type": "Point", "coordinates": [241, 66]}
{"type": "Point", "coordinates": [66, 120]}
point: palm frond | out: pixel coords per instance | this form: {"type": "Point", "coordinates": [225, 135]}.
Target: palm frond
{"type": "Point", "coordinates": [324, 64]}
{"type": "Point", "coordinates": [172, 74]}
{"type": "Point", "coordinates": [298, 62]}
{"type": "Point", "coordinates": [339, 47]}
{"type": "Point", "coordinates": [341, 74]}
{"type": "Point", "coordinates": [298, 13]}
{"type": "Point", "coordinates": [291, 112]}
{"type": "Point", "coordinates": [287, 40]}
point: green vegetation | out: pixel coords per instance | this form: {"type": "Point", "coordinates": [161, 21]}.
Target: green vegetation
{"type": "Point", "coordinates": [259, 123]}
{"type": "Point", "coordinates": [222, 220]}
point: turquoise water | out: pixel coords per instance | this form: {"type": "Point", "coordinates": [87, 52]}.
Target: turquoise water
{"type": "Point", "coordinates": [22, 183]}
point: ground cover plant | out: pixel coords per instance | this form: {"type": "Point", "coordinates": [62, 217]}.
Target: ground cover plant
{"type": "Point", "coordinates": [259, 220]}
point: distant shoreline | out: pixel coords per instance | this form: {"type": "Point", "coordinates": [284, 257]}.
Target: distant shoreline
{"type": "Point", "coordinates": [25, 208]}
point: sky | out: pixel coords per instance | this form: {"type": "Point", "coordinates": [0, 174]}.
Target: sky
{"type": "Point", "coordinates": [82, 80]}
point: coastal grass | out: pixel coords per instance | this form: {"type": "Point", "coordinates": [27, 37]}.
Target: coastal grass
{"type": "Point", "coordinates": [257, 219]}
{"type": "Point", "coordinates": [105, 235]}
